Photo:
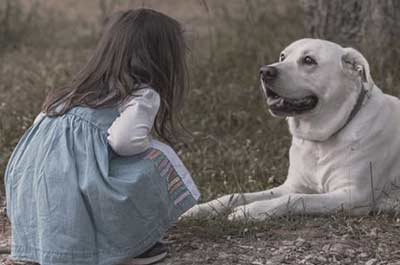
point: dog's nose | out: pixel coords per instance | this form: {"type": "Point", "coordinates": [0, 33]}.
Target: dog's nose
{"type": "Point", "coordinates": [268, 73]}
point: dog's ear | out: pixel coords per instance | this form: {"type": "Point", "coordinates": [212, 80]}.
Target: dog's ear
{"type": "Point", "coordinates": [354, 63]}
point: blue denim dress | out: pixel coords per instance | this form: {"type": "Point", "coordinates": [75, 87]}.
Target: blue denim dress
{"type": "Point", "coordinates": [71, 200]}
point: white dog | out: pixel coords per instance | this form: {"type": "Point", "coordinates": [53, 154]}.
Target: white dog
{"type": "Point", "coordinates": [345, 152]}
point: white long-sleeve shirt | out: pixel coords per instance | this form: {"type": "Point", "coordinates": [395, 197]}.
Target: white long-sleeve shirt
{"type": "Point", "coordinates": [130, 132]}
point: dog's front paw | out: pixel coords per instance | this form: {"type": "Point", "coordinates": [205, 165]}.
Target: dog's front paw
{"type": "Point", "coordinates": [192, 212]}
{"type": "Point", "coordinates": [257, 211]}
{"type": "Point", "coordinates": [200, 211]}
{"type": "Point", "coordinates": [240, 213]}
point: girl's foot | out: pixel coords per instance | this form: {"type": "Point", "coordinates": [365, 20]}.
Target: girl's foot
{"type": "Point", "coordinates": [155, 254]}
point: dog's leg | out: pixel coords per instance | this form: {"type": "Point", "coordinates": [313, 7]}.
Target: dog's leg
{"type": "Point", "coordinates": [310, 204]}
{"type": "Point", "coordinates": [228, 202]}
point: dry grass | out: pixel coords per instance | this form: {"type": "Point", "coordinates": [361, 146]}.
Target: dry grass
{"type": "Point", "coordinates": [236, 144]}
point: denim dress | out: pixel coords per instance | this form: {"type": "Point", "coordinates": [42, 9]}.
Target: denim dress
{"type": "Point", "coordinates": [72, 200]}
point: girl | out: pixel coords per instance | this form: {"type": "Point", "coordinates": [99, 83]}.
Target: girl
{"type": "Point", "coordinates": [86, 184]}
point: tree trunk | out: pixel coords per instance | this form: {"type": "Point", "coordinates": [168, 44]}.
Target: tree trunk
{"type": "Point", "coordinates": [352, 21]}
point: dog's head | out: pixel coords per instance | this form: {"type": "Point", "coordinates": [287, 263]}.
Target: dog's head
{"type": "Point", "coordinates": [315, 84]}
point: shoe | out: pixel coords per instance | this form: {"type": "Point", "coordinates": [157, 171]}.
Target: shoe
{"type": "Point", "coordinates": [155, 254]}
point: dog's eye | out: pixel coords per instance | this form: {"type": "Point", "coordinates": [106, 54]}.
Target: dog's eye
{"type": "Point", "coordinates": [282, 57]}
{"type": "Point", "coordinates": [309, 61]}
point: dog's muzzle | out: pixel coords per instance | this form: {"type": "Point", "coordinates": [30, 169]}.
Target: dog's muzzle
{"type": "Point", "coordinates": [279, 105]}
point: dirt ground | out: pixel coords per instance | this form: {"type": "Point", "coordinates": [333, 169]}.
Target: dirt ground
{"type": "Point", "coordinates": [329, 240]}
{"type": "Point", "coordinates": [317, 241]}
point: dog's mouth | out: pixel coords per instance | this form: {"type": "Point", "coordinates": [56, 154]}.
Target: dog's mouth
{"type": "Point", "coordinates": [283, 106]}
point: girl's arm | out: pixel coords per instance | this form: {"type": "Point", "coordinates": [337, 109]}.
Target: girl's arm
{"type": "Point", "coordinates": [130, 132]}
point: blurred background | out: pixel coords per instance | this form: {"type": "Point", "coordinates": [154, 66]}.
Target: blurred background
{"type": "Point", "coordinates": [235, 145]}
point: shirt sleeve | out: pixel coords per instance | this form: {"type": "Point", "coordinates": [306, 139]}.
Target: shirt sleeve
{"type": "Point", "coordinates": [130, 132]}
{"type": "Point", "coordinates": [39, 117]}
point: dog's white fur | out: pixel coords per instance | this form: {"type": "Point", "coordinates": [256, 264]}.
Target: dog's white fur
{"type": "Point", "coordinates": [355, 168]}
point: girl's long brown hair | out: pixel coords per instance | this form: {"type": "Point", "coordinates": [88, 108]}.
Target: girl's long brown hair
{"type": "Point", "coordinates": [137, 47]}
